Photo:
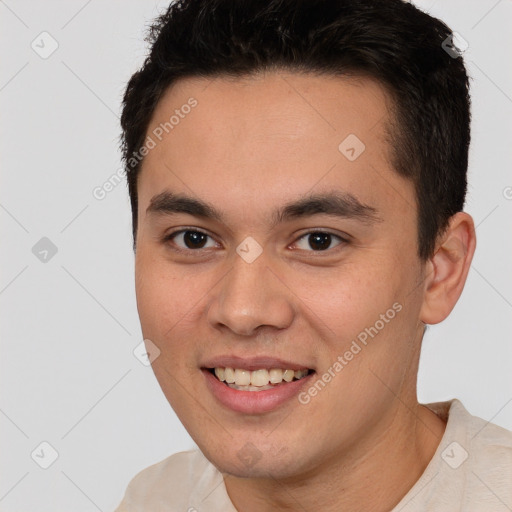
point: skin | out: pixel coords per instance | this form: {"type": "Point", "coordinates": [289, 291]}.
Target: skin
{"type": "Point", "coordinates": [248, 147]}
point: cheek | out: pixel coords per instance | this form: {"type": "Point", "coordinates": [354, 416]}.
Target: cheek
{"type": "Point", "coordinates": [159, 299]}
{"type": "Point", "coordinates": [163, 303]}
{"type": "Point", "coordinates": [348, 299]}
{"type": "Point", "coordinates": [369, 313]}
{"type": "Point", "coordinates": [170, 299]}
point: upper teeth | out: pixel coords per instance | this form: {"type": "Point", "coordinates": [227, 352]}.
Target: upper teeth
{"type": "Point", "coordinates": [257, 377]}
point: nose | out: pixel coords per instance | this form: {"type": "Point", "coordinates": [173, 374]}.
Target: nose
{"type": "Point", "coordinates": [250, 296]}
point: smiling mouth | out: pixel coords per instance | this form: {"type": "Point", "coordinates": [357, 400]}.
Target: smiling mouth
{"type": "Point", "coordinates": [257, 380]}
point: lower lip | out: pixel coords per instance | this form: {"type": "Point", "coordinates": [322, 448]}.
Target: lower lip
{"type": "Point", "coordinates": [254, 402]}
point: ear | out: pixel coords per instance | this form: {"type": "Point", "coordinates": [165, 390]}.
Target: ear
{"type": "Point", "coordinates": [446, 271]}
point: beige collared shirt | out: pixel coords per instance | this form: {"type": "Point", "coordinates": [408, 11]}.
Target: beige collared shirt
{"type": "Point", "coordinates": [471, 471]}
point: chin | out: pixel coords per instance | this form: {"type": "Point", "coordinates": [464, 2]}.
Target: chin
{"type": "Point", "coordinates": [252, 462]}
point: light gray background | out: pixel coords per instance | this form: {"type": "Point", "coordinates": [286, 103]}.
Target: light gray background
{"type": "Point", "coordinates": [69, 325]}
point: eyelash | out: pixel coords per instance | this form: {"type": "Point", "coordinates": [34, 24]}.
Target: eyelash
{"type": "Point", "coordinates": [169, 237]}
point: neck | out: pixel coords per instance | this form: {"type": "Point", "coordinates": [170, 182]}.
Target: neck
{"type": "Point", "coordinates": [372, 477]}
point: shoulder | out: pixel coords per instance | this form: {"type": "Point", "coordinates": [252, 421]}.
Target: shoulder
{"type": "Point", "coordinates": [477, 457]}
{"type": "Point", "coordinates": [481, 436]}
{"type": "Point", "coordinates": [471, 469]}
{"type": "Point", "coordinates": [168, 483]}
{"type": "Point", "coordinates": [489, 454]}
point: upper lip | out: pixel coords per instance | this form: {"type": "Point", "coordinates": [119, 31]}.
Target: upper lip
{"type": "Point", "coordinates": [252, 363]}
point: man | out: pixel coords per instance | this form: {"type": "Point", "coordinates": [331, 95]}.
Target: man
{"type": "Point", "coordinates": [297, 173]}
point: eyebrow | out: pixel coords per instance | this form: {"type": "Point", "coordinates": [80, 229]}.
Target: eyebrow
{"type": "Point", "coordinates": [338, 204]}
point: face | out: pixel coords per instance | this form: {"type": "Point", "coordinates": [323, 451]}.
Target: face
{"type": "Point", "coordinates": [270, 238]}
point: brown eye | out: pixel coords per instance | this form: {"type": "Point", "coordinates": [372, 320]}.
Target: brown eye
{"type": "Point", "coordinates": [194, 239]}
{"type": "Point", "coordinates": [189, 239]}
{"type": "Point", "coordinates": [318, 241]}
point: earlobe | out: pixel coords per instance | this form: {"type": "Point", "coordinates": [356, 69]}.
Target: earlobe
{"type": "Point", "coordinates": [447, 270]}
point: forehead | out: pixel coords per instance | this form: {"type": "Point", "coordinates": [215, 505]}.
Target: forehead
{"type": "Point", "coordinates": [276, 108]}
{"type": "Point", "coordinates": [281, 133]}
